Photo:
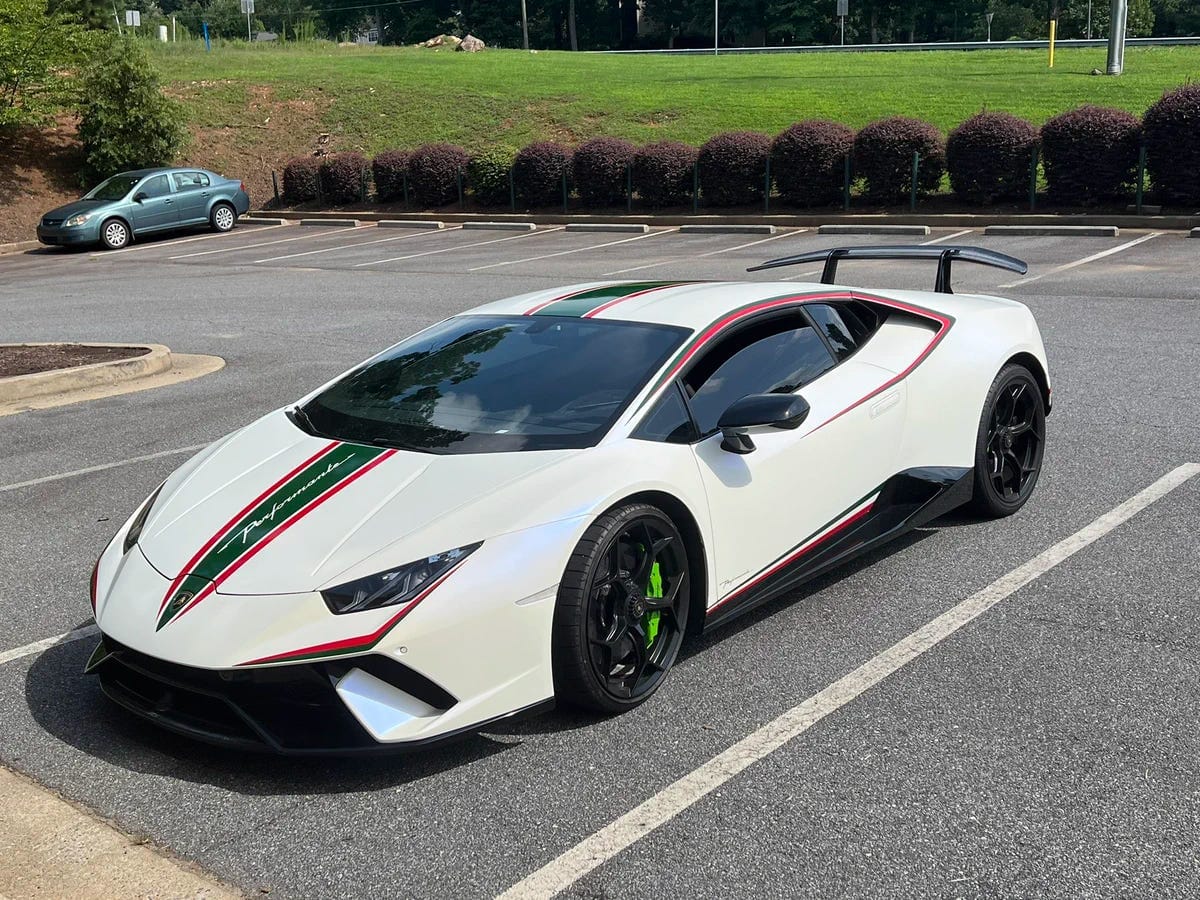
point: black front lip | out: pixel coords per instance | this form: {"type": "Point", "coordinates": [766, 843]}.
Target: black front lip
{"type": "Point", "coordinates": [287, 710]}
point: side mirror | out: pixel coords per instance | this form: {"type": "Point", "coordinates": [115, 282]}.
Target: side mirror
{"type": "Point", "coordinates": [140, 196]}
{"type": "Point", "coordinates": [776, 410]}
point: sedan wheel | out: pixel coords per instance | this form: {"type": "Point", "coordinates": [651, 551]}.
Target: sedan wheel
{"type": "Point", "coordinates": [622, 610]}
{"type": "Point", "coordinates": [223, 217]}
{"type": "Point", "coordinates": [114, 234]}
{"type": "Point", "coordinates": [1010, 443]}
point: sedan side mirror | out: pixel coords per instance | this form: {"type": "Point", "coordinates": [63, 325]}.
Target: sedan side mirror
{"type": "Point", "coordinates": [776, 410]}
{"type": "Point", "coordinates": [140, 196]}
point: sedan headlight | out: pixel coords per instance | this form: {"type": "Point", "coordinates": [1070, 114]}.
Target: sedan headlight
{"type": "Point", "coordinates": [394, 586]}
{"type": "Point", "coordinates": [135, 527]}
{"type": "Point", "coordinates": [78, 220]}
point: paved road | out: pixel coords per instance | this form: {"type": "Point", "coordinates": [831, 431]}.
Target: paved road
{"type": "Point", "coordinates": [1048, 749]}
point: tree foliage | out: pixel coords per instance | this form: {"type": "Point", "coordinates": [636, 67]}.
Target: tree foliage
{"type": "Point", "coordinates": [38, 49]}
{"type": "Point", "coordinates": [125, 120]}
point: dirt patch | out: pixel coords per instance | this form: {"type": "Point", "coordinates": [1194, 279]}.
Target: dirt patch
{"type": "Point", "coordinates": [26, 359]}
{"type": "Point", "coordinates": [38, 171]}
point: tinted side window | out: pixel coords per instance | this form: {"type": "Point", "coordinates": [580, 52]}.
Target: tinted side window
{"type": "Point", "coordinates": [776, 357]}
{"type": "Point", "coordinates": [190, 181]}
{"type": "Point", "coordinates": [847, 325]}
{"type": "Point", "coordinates": [669, 421]}
{"type": "Point", "coordinates": [155, 187]}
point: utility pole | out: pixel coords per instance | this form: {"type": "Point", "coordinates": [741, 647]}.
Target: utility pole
{"type": "Point", "coordinates": [1089, 25]}
{"type": "Point", "coordinates": [1116, 36]}
{"type": "Point", "coordinates": [524, 25]}
{"type": "Point", "coordinates": [716, 27]}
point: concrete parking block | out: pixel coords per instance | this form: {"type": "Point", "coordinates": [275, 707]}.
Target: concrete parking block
{"type": "Point", "coordinates": [263, 220]}
{"type": "Point", "coordinates": [619, 227]}
{"type": "Point", "coordinates": [1195, 233]}
{"type": "Point", "coordinates": [727, 229]}
{"type": "Point", "coordinates": [428, 224]}
{"type": "Point", "coordinates": [498, 226]}
{"type": "Point", "coordinates": [345, 223]}
{"type": "Point", "coordinates": [873, 229]}
{"type": "Point", "coordinates": [1054, 230]}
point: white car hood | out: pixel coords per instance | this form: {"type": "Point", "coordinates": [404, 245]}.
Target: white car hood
{"type": "Point", "coordinates": [272, 510]}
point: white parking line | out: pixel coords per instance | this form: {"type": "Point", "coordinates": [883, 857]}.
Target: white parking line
{"type": "Point", "coordinates": [1085, 260]}
{"type": "Point", "coordinates": [515, 237]}
{"type": "Point", "coordinates": [200, 237]}
{"type": "Point", "coordinates": [325, 232]}
{"type": "Point", "coordinates": [947, 237]}
{"type": "Point", "coordinates": [514, 262]}
{"type": "Point", "coordinates": [46, 643]}
{"type": "Point", "coordinates": [399, 237]}
{"type": "Point", "coordinates": [667, 262]}
{"type": "Point", "coordinates": [101, 468]}
{"type": "Point", "coordinates": [593, 851]}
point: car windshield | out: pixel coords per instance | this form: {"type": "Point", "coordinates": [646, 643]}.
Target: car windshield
{"type": "Point", "coordinates": [114, 188]}
{"type": "Point", "coordinates": [477, 384]}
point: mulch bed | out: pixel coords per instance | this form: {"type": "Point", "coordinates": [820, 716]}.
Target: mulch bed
{"type": "Point", "coordinates": [25, 360]}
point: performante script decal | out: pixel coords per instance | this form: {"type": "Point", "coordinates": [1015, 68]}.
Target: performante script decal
{"type": "Point", "coordinates": [266, 517]}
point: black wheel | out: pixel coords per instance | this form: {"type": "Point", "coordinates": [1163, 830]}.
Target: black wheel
{"type": "Point", "coordinates": [1011, 442]}
{"type": "Point", "coordinates": [622, 610]}
{"type": "Point", "coordinates": [114, 234]}
{"type": "Point", "coordinates": [223, 217]}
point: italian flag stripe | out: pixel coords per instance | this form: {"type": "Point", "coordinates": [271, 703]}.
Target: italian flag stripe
{"type": "Point", "coordinates": [583, 303]}
{"type": "Point", "coordinates": [290, 499]}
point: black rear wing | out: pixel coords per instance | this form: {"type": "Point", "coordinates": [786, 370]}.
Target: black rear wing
{"type": "Point", "coordinates": [945, 255]}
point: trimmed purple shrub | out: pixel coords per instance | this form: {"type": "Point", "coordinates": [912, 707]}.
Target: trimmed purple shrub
{"type": "Point", "coordinates": [662, 173]}
{"type": "Point", "coordinates": [808, 162]}
{"type": "Point", "coordinates": [733, 167]}
{"type": "Point", "coordinates": [1172, 129]}
{"type": "Point", "coordinates": [389, 168]}
{"type": "Point", "coordinates": [600, 166]}
{"type": "Point", "coordinates": [988, 157]}
{"type": "Point", "coordinates": [883, 157]}
{"type": "Point", "coordinates": [301, 179]}
{"type": "Point", "coordinates": [342, 178]}
{"type": "Point", "coordinates": [538, 171]}
{"type": "Point", "coordinates": [433, 172]}
{"type": "Point", "coordinates": [1090, 154]}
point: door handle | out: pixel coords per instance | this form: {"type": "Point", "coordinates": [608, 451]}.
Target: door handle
{"type": "Point", "coordinates": [884, 403]}
{"type": "Point", "coordinates": [168, 202]}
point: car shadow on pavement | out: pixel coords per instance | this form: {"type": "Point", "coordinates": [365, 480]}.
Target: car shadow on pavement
{"type": "Point", "coordinates": [70, 706]}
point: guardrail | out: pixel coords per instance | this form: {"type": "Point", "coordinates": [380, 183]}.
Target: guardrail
{"type": "Point", "coordinates": [932, 45]}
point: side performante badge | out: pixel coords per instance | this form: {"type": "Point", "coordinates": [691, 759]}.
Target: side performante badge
{"type": "Point", "coordinates": [276, 509]}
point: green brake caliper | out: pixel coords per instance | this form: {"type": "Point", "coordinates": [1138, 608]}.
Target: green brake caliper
{"type": "Point", "coordinates": [654, 591]}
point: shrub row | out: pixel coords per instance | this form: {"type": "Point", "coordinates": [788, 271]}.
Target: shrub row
{"type": "Point", "coordinates": [1089, 155]}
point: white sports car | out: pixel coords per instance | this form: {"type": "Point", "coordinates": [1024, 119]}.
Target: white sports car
{"type": "Point", "coordinates": [540, 498]}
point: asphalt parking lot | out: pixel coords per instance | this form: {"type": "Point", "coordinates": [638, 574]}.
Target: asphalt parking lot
{"type": "Point", "coordinates": [1047, 749]}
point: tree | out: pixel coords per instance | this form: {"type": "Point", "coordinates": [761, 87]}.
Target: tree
{"type": "Point", "coordinates": [37, 50]}
{"type": "Point", "coordinates": [125, 120]}
{"type": "Point", "coordinates": [1073, 19]}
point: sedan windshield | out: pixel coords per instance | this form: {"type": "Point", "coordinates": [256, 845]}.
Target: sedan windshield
{"type": "Point", "coordinates": [475, 384]}
{"type": "Point", "coordinates": [114, 188]}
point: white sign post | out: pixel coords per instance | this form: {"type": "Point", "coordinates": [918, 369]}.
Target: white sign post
{"type": "Point", "coordinates": [248, 9]}
{"type": "Point", "coordinates": [843, 10]}
{"type": "Point", "coordinates": [988, 16]}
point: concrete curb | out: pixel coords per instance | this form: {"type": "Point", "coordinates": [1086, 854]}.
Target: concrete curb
{"type": "Point", "coordinates": [346, 223]}
{"type": "Point", "coordinates": [1054, 230]}
{"type": "Point", "coordinates": [19, 247]}
{"type": "Point", "coordinates": [779, 220]}
{"type": "Point", "coordinates": [60, 381]}
{"type": "Point", "coordinates": [617, 227]}
{"type": "Point", "coordinates": [873, 229]}
{"type": "Point", "coordinates": [1195, 232]}
{"type": "Point", "coordinates": [264, 220]}
{"type": "Point", "coordinates": [428, 224]}
{"type": "Point", "coordinates": [499, 226]}
{"type": "Point", "coordinates": [727, 229]}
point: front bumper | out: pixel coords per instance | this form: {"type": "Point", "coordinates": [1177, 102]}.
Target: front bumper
{"type": "Point", "coordinates": [294, 710]}
{"type": "Point", "coordinates": [66, 237]}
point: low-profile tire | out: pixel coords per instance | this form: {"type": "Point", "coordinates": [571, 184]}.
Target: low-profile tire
{"type": "Point", "coordinates": [114, 234]}
{"type": "Point", "coordinates": [620, 619]}
{"type": "Point", "coordinates": [222, 217]}
{"type": "Point", "coordinates": [1010, 443]}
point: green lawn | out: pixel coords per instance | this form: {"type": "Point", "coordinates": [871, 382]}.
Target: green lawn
{"type": "Point", "coordinates": [377, 98]}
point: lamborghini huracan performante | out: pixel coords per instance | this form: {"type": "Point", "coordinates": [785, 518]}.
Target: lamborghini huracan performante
{"type": "Point", "coordinates": [541, 498]}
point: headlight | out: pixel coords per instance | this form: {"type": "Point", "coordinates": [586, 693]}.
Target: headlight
{"type": "Point", "coordinates": [395, 586]}
{"type": "Point", "coordinates": [135, 527]}
{"type": "Point", "coordinates": [78, 220]}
